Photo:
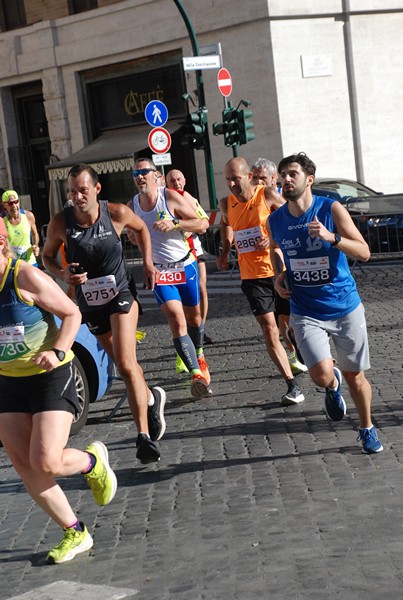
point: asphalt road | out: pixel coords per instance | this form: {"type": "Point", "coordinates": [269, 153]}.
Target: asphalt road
{"type": "Point", "coordinates": [250, 501]}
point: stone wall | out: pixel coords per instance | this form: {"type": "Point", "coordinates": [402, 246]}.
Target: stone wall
{"type": "Point", "coordinates": [288, 58]}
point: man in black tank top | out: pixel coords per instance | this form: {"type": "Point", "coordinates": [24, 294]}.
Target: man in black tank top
{"type": "Point", "coordinates": [90, 231]}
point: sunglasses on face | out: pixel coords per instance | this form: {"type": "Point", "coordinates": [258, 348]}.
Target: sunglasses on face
{"type": "Point", "coordinates": [138, 172]}
{"type": "Point", "coordinates": [11, 202]}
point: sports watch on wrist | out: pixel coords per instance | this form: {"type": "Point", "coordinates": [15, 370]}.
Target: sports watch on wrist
{"type": "Point", "coordinates": [337, 239]}
{"type": "Point", "coordinates": [61, 355]}
{"type": "Point", "coordinates": [176, 223]}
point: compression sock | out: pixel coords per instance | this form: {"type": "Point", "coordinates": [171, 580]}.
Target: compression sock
{"type": "Point", "coordinates": [197, 336]}
{"type": "Point", "coordinates": [186, 350]}
{"type": "Point", "coordinates": [76, 526]}
{"type": "Point", "coordinates": [91, 463]}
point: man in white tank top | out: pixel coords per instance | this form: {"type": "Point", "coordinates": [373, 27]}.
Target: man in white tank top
{"type": "Point", "coordinates": [168, 215]}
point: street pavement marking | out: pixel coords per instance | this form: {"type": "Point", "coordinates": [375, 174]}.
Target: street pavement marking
{"type": "Point", "coordinates": [65, 590]}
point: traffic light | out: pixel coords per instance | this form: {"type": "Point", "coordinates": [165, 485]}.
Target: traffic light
{"type": "Point", "coordinates": [194, 128]}
{"type": "Point", "coordinates": [231, 131]}
{"type": "Point", "coordinates": [229, 127]}
{"type": "Point", "coordinates": [244, 125]}
{"type": "Point", "coordinates": [218, 128]}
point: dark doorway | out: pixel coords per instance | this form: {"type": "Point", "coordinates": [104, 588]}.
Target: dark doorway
{"type": "Point", "coordinates": [29, 159]}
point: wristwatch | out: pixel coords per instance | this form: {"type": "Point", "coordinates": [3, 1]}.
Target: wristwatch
{"type": "Point", "coordinates": [176, 223]}
{"type": "Point", "coordinates": [337, 239]}
{"type": "Point", "coordinates": [59, 353]}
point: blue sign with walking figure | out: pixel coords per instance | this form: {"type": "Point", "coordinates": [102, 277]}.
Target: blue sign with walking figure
{"type": "Point", "coordinates": [156, 113]}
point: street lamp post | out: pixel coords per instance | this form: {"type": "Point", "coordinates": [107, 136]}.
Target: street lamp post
{"type": "Point", "coordinates": [202, 106]}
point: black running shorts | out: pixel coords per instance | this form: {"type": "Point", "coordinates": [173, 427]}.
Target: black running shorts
{"type": "Point", "coordinates": [55, 390]}
{"type": "Point", "coordinates": [98, 319]}
{"type": "Point", "coordinates": [262, 297]}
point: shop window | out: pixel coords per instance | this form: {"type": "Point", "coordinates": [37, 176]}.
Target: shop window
{"type": "Point", "coordinates": [12, 14]}
{"type": "Point", "coordinates": [79, 6]}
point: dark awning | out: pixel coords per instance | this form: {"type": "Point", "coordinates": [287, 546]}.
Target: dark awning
{"type": "Point", "coordinates": [111, 152]}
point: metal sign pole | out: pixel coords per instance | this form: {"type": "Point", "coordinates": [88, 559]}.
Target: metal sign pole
{"type": "Point", "coordinates": [202, 104]}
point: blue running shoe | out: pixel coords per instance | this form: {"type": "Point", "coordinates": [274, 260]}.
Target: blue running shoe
{"type": "Point", "coordinates": [369, 440]}
{"type": "Point", "coordinates": [334, 401]}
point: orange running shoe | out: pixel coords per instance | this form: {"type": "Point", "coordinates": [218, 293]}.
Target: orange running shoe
{"type": "Point", "coordinates": [203, 366]}
{"type": "Point", "coordinates": [199, 387]}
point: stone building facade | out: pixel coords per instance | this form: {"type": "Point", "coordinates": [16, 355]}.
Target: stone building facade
{"type": "Point", "coordinates": [322, 76]}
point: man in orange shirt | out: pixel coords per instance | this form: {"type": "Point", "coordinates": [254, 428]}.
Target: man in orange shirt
{"type": "Point", "coordinates": [244, 216]}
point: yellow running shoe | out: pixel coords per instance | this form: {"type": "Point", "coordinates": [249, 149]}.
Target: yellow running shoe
{"type": "Point", "coordinates": [180, 365]}
{"type": "Point", "coordinates": [140, 335]}
{"type": "Point", "coordinates": [101, 479]}
{"type": "Point", "coordinates": [295, 364]}
{"type": "Point", "coordinates": [73, 543]}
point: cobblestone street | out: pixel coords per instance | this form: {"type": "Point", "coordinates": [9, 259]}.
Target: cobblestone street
{"type": "Point", "coordinates": [250, 501]}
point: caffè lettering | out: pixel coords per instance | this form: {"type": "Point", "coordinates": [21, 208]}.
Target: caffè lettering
{"type": "Point", "coordinates": [136, 102]}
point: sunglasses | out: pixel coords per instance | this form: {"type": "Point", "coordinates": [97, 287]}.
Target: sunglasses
{"type": "Point", "coordinates": [138, 172]}
{"type": "Point", "coordinates": [11, 202]}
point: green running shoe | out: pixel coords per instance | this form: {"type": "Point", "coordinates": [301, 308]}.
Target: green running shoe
{"type": "Point", "coordinates": [73, 543]}
{"type": "Point", "coordinates": [101, 479]}
{"type": "Point", "coordinates": [296, 365]}
{"type": "Point", "coordinates": [180, 365]}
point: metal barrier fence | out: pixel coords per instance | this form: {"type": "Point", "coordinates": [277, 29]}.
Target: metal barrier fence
{"type": "Point", "coordinates": [132, 253]}
{"type": "Point", "coordinates": [380, 221]}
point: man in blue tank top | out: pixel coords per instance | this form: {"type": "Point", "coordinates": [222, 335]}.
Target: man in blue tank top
{"type": "Point", "coordinates": [90, 230]}
{"type": "Point", "coordinates": [313, 237]}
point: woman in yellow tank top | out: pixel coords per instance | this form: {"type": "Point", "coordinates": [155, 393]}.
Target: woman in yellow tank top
{"type": "Point", "coordinates": [38, 397]}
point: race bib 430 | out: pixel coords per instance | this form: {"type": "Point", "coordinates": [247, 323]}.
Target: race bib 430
{"type": "Point", "coordinates": [172, 275]}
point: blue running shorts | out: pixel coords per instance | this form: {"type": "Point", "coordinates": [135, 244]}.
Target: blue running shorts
{"type": "Point", "coordinates": [188, 293]}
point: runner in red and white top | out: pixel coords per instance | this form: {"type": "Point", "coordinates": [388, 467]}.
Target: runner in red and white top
{"type": "Point", "coordinates": [167, 216]}
{"type": "Point", "coordinates": [175, 180]}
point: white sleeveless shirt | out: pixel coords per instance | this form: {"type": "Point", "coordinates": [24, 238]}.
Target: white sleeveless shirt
{"type": "Point", "coordinates": [167, 247]}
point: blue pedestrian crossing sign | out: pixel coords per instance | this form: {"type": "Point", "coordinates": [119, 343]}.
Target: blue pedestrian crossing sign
{"type": "Point", "coordinates": [156, 113]}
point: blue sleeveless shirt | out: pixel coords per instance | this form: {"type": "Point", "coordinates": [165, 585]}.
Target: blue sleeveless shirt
{"type": "Point", "coordinates": [318, 274]}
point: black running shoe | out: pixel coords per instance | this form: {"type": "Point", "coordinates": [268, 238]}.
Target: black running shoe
{"type": "Point", "coordinates": [156, 420]}
{"type": "Point", "coordinates": [147, 451]}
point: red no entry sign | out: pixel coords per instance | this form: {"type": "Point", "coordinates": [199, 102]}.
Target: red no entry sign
{"type": "Point", "coordinates": [159, 140]}
{"type": "Point", "coordinates": [224, 81]}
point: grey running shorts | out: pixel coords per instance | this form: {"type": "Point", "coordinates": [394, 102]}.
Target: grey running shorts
{"type": "Point", "coordinates": [349, 336]}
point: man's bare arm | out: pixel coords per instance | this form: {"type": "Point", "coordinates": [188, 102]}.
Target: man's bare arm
{"type": "Point", "coordinates": [227, 235]}
{"type": "Point", "coordinates": [34, 231]}
{"type": "Point", "coordinates": [124, 217]}
{"type": "Point", "coordinates": [194, 218]}
{"type": "Point", "coordinates": [273, 198]}
{"type": "Point", "coordinates": [277, 261]}
{"type": "Point", "coordinates": [55, 237]}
